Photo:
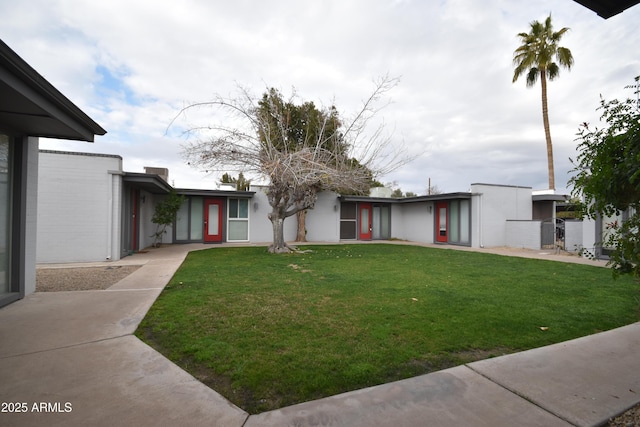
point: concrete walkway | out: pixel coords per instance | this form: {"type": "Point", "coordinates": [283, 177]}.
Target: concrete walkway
{"type": "Point", "coordinates": [70, 358]}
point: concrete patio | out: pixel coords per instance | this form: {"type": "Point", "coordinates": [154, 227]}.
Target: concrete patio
{"type": "Point", "coordinates": [71, 358]}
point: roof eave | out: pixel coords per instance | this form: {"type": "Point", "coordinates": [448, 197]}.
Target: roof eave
{"type": "Point", "coordinates": [28, 84]}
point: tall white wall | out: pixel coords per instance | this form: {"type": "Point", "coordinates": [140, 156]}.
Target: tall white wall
{"type": "Point", "coordinates": [323, 221]}
{"type": "Point", "coordinates": [259, 224]}
{"type": "Point", "coordinates": [260, 230]}
{"type": "Point", "coordinates": [493, 205]}
{"type": "Point", "coordinates": [115, 201]}
{"type": "Point", "coordinates": [398, 230]}
{"type": "Point", "coordinates": [413, 221]}
{"type": "Point", "coordinates": [589, 238]}
{"type": "Point", "coordinates": [573, 231]}
{"type": "Point", "coordinates": [76, 214]}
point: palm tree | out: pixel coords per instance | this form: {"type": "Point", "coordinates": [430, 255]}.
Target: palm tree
{"type": "Point", "coordinates": [535, 57]}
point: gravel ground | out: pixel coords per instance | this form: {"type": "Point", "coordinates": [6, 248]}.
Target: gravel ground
{"type": "Point", "coordinates": [631, 418]}
{"type": "Point", "coordinates": [81, 278]}
{"type": "Point", "coordinates": [96, 278]}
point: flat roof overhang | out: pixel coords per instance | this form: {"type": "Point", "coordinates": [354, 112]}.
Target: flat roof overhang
{"type": "Point", "coordinates": [215, 193]}
{"type": "Point", "coordinates": [417, 199]}
{"type": "Point", "coordinates": [148, 182]}
{"type": "Point", "coordinates": [607, 8]}
{"type": "Point", "coordinates": [32, 106]}
{"type": "Point", "coordinates": [550, 198]}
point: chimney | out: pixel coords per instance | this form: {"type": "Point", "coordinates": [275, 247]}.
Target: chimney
{"type": "Point", "coordinates": [161, 172]}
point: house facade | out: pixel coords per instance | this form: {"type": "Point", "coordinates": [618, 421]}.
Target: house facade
{"type": "Point", "coordinates": [30, 107]}
{"type": "Point", "coordinates": [89, 209]}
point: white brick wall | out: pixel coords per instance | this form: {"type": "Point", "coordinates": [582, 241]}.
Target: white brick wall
{"type": "Point", "coordinates": [523, 234]}
{"type": "Point", "coordinates": [31, 219]}
{"type": "Point", "coordinates": [78, 213]}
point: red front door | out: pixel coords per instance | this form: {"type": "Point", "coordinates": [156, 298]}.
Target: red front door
{"type": "Point", "coordinates": [365, 221]}
{"type": "Point", "coordinates": [442, 229]}
{"type": "Point", "coordinates": [213, 220]}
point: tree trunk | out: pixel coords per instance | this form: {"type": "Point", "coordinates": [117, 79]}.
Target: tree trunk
{"type": "Point", "coordinates": [301, 216]}
{"type": "Point", "coordinates": [278, 246]}
{"type": "Point", "coordinates": [547, 130]}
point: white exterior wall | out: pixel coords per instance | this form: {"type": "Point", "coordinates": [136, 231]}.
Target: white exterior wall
{"type": "Point", "coordinates": [323, 221]}
{"type": "Point", "coordinates": [413, 221]}
{"type": "Point", "coordinates": [573, 231]}
{"type": "Point", "coordinates": [524, 234]}
{"type": "Point", "coordinates": [398, 230]}
{"type": "Point", "coordinates": [115, 201]}
{"type": "Point", "coordinates": [260, 230]}
{"type": "Point", "coordinates": [78, 211]}
{"type": "Point", "coordinates": [259, 225]}
{"type": "Point", "coordinates": [589, 238]}
{"type": "Point", "coordinates": [492, 206]}
{"type": "Point", "coordinates": [146, 228]}
{"type": "Point", "coordinates": [31, 220]}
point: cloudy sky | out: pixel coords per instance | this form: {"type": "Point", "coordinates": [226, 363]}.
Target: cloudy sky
{"type": "Point", "coordinates": [132, 65]}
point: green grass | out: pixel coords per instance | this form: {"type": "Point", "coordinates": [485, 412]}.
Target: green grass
{"type": "Point", "coordinates": [268, 331]}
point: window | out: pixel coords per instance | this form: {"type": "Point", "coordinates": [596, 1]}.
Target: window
{"type": "Point", "coordinates": [381, 227]}
{"type": "Point", "coordinates": [348, 221]}
{"type": "Point", "coordinates": [189, 220]}
{"type": "Point", "coordinates": [465, 221]}
{"type": "Point", "coordinates": [5, 215]}
{"type": "Point", "coordinates": [196, 218]}
{"type": "Point", "coordinates": [460, 221]}
{"type": "Point", "coordinates": [238, 229]}
{"type": "Point", "coordinates": [182, 221]}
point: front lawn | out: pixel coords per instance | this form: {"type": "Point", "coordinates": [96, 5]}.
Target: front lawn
{"type": "Point", "coordinates": [268, 331]}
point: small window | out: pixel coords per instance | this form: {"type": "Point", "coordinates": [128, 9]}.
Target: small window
{"type": "Point", "coordinates": [238, 229]}
{"type": "Point", "coordinates": [348, 210]}
{"type": "Point", "coordinates": [348, 214]}
{"type": "Point", "coordinates": [239, 208]}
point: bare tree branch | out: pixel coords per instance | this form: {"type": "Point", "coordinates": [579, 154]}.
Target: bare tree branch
{"type": "Point", "coordinates": [299, 149]}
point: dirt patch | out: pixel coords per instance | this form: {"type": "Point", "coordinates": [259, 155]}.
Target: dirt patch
{"type": "Point", "coordinates": [298, 268]}
{"type": "Point", "coordinates": [81, 278]}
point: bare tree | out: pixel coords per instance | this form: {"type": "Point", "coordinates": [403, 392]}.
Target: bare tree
{"type": "Point", "coordinates": [254, 144]}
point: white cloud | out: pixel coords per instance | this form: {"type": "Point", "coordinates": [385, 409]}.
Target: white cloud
{"type": "Point", "coordinates": [455, 106]}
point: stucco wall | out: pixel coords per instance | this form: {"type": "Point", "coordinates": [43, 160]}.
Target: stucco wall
{"type": "Point", "coordinates": [495, 204]}
{"type": "Point", "coordinates": [589, 238]}
{"type": "Point", "coordinates": [573, 235]}
{"type": "Point", "coordinates": [76, 214]}
{"type": "Point", "coordinates": [260, 230]}
{"type": "Point", "coordinates": [323, 221]}
{"type": "Point", "coordinates": [413, 222]}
